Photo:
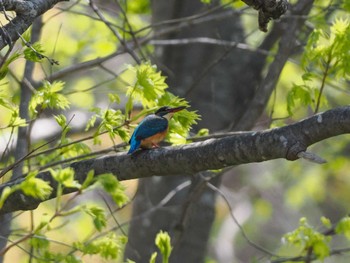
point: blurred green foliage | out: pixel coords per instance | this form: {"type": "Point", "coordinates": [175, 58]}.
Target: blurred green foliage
{"type": "Point", "coordinates": [308, 240]}
{"type": "Point", "coordinates": [326, 59]}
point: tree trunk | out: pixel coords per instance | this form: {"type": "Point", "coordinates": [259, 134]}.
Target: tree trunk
{"type": "Point", "coordinates": [22, 136]}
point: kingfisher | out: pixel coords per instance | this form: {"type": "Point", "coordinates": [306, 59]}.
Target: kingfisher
{"type": "Point", "coordinates": [152, 129]}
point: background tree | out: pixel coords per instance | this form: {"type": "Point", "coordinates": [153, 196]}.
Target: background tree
{"type": "Point", "coordinates": [237, 77]}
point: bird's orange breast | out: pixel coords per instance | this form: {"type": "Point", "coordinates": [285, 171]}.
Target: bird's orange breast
{"type": "Point", "coordinates": [153, 140]}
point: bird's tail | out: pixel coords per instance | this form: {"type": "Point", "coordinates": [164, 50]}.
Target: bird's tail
{"type": "Point", "coordinates": [134, 145]}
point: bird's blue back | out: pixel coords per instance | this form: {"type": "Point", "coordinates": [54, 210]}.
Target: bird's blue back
{"type": "Point", "coordinates": [148, 127]}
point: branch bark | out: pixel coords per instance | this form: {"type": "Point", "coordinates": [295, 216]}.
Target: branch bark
{"type": "Point", "coordinates": [244, 147]}
{"type": "Point", "coordinates": [26, 12]}
{"type": "Point", "coordinates": [268, 10]}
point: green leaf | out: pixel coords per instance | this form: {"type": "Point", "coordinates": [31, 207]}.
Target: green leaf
{"type": "Point", "coordinates": [183, 120]}
{"type": "Point", "coordinates": [123, 133]}
{"type": "Point", "coordinates": [39, 242]}
{"type": "Point", "coordinates": [70, 151]}
{"type": "Point", "coordinates": [150, 89]}
{"type": "Point", "coordinates": [44, 223]}
{"type": "Point", "coordinates": [111, 122]}
{"type": "Point", "coordinates": [163, 243]}
{"type": "Point", "coordinates": [149, 84]}
{"type": "Point", "coordinates": [5, 194]}
{"type": "Point", "coordinates": [48, 97]}
{"type": "Point", "coordinates": [88, 180]}
{"type": "Point", "coordinates": [26, 37]}
{"type": "Point", "coordinates": [4, 67]}
{"type": "Point", "coordinates": [61, 120]}
{"type": "Point", "coordinates": [72, 259]}
{"type": "Point", "coordinates": [114, 98]}
{"type": "Point", "coordinates": [36, 187]}
{"type": "Point", "coordinates": [138, 7]}
{"type": "Point", "coordinates": [6, 103]}
{"type": "Point", "coordinates": [298, 94]}
{"type": "Point", "coordinates": [65, 177]}
{"type": "Point", "coordinates": [109, 246]}
{"type": "Point", "coordinates": [112, 186]}
{"type": "Point", "coordinates": [202, 132]}
{"type": "Point", "coordinates": [128, 106]}
{"type": "Point", "coordinates": [343, 227]}
{"type": "Point", "coordinates": [91, 122]}
{"type": "Point", "coordinates": [98, 216]}
{"type": "Point", "coordinates": [16, 120]}
{"type": "Point", "coordinates": [306, 237]}
{"type": "Point", "coordinates": [326, 222]}
{"type": "Point", "coordinates": [177, 139]}
{"type": "Point", "coordinates": [34, 52]}
{"type": "Point", "coordinates": [307, 76]}
{"type": "Point", "coordinates": [328, 52]}
{"type": "Point", "coordinates": [153, 257]}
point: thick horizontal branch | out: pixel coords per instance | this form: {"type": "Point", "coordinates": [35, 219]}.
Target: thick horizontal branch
{"type": "Point", "coordinates": [26, 12]}
{"type": "Point", "coordinates": [243, 147]}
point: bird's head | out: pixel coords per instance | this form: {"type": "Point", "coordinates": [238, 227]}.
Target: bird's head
{"type": "Point", "coordinates": [168, 112]}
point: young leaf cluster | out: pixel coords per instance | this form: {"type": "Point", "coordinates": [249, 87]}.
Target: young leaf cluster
{"type": "Point", "coordinates": [98, 216]}
{"type": "Point", "coordinates": [6, 103]}
{"type": "Point", "coordinates": [328, 52]}
{"type": "Point", "coordinates": [15, 120]}
{"type": "Point", "coordinates": [112, 186]}
{"type": "Point", "coordinates": [343, 227]}
{"type": "Point", "coordinates": [163, 243]}
{"type": "Point", "coordinates": [149, 85]}
{"type": "Point", "coordinates": [5, 64]}
{"type": "Point", "coordinates": [326, 59]}
{"type": "Point", "coordinates": [306, 239]}
{"type": "Point", "coordinates": [108, 247]}
{"type": "Point", "coordinates": [150, 89]}
{"type": "Point", "coordinates": [31, 186]}
{"type": "Point", "coordinates": [48, 96]}
{"type": "Point", "coordinates": [111, 121]}
{"type": "Point", "coordinates": [35, 187]}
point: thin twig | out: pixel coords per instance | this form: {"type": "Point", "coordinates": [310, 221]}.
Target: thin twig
{"type": "Point", "coordinates": [323, 82]}
{"type": "Point", "coordinates": [112, 214]}
{"type": "Point", "coordinates": [15, 243]}
{"type": "Point", "coordinates": [25, 157]}
{"type": "Point", "coordinates": [115, 32]}
{"type": "Point", "coordinates": [245, 236]}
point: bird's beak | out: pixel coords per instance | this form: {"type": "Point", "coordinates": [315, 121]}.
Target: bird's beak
{"type": "Point", "coordinates": [176, 109]}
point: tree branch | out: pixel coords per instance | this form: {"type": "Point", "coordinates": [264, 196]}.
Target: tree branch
{"type": "Point", "coordinates": [268, 10]}
{"type": "Point", "coordinates": [286, 46]}
{"type": "Point", "coordinates": [246, 147]}
{"type": "Point", "coordinates": [26, 12]}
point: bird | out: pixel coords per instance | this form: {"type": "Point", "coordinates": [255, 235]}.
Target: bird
{"type": "Point", "coordinates": [152, 129]}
